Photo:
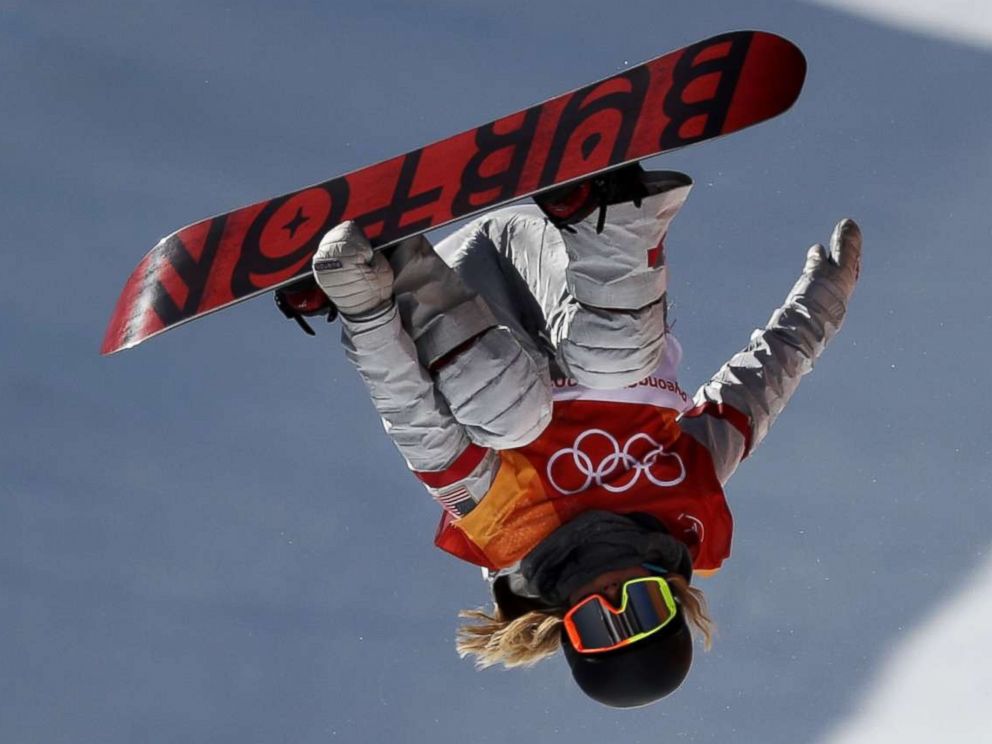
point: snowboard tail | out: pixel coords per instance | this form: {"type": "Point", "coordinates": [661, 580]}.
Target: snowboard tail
{"type": "Point", "coordinates": [708, 89]}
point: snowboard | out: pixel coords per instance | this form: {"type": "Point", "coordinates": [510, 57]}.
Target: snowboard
{"type": "Point", "coordinates": [705, 90]}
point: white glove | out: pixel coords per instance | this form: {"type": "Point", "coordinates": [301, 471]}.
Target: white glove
{"type": "Point", "coordinates": [841, 266]}
{"type": "Point", "coordinates": [823, 289]}
{"type": "Point", "coordinates": [355, 278]}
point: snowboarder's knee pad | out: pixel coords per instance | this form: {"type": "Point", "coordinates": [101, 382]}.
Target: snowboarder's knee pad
{"type": "Point", "coordinates": [608, 349]}
{"type": "Point", "coordinates": [497, 391]}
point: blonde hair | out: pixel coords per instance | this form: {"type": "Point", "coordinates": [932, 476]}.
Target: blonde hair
{"type": "Point", "coordinates": [693, 603]}
{"type": "Point", "coordinates": [522, 642]}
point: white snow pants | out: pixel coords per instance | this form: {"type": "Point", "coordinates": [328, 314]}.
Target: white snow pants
{"type": "Point", "coordinates": [509, 300]}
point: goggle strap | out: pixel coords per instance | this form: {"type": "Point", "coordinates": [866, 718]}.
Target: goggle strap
{"type": "Point", "coordinates": [655, 568]}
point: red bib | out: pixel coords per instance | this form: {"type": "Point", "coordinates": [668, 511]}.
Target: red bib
{"type": "Point", "coordinates": [617, 450]}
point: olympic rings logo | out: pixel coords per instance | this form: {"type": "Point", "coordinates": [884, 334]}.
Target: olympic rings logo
{"type": "Point", "coordinates": [617, 470]}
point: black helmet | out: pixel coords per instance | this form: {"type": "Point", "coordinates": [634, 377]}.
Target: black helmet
{"type": "Point", "coordinates": [638, 674]}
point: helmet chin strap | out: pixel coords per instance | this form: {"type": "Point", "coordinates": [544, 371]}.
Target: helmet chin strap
{"type": "Point", "coordinates": [593, 543]}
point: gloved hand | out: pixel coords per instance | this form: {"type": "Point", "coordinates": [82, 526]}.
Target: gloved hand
{"type": "Point", "coordinates": [824, 288]}
{"type": "Point", "coordinates": [841, 265]}
{"type": "Point", "coordinates": [358, 280]}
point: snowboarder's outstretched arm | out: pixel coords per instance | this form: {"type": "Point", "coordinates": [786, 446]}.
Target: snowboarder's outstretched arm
{"type": "Point", "coordinates": [735, 409]}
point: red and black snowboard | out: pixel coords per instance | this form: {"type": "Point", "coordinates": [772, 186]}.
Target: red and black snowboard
{"type": "Point", "coordinates": [705, 90]}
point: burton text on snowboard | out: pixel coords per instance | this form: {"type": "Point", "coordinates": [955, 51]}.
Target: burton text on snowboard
{"type": "Point", "coordinates": [705, 90]}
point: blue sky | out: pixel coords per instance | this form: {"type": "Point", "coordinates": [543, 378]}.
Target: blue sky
{"type": "Point", "coordinates": [209, 538]}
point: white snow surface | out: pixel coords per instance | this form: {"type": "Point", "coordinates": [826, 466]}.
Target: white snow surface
{"type": "Point", "coordinates": [968, 21]}
{"type": "Point", "coordinates": [937, 683]}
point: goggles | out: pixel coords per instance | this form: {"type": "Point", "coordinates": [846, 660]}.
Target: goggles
{"type": "Point", "coordinates": [594, 625]}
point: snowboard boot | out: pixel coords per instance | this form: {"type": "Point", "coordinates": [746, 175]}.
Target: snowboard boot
{"type": "Point", "coordinates": [616, 259]}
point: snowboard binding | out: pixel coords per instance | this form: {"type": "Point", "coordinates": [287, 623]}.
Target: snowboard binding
{"type": "Point", "coordinates": [571, 204]}
{"type": "Point", "coordinates": [305, 299]}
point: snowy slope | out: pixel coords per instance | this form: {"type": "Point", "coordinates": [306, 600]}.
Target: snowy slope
{"type": "Point", "coordinates": [967, 21]}
{"type": "Point", "coordinates": [937, 683]}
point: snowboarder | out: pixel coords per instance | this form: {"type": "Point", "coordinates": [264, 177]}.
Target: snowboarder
{"type": "Point", "coordinates": [526, 370]}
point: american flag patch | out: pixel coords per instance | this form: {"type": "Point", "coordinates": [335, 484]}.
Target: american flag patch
{"type": "Point", "coordinates": [457, 500]}
{"type": "Point", "coordinates": [465, 482]}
